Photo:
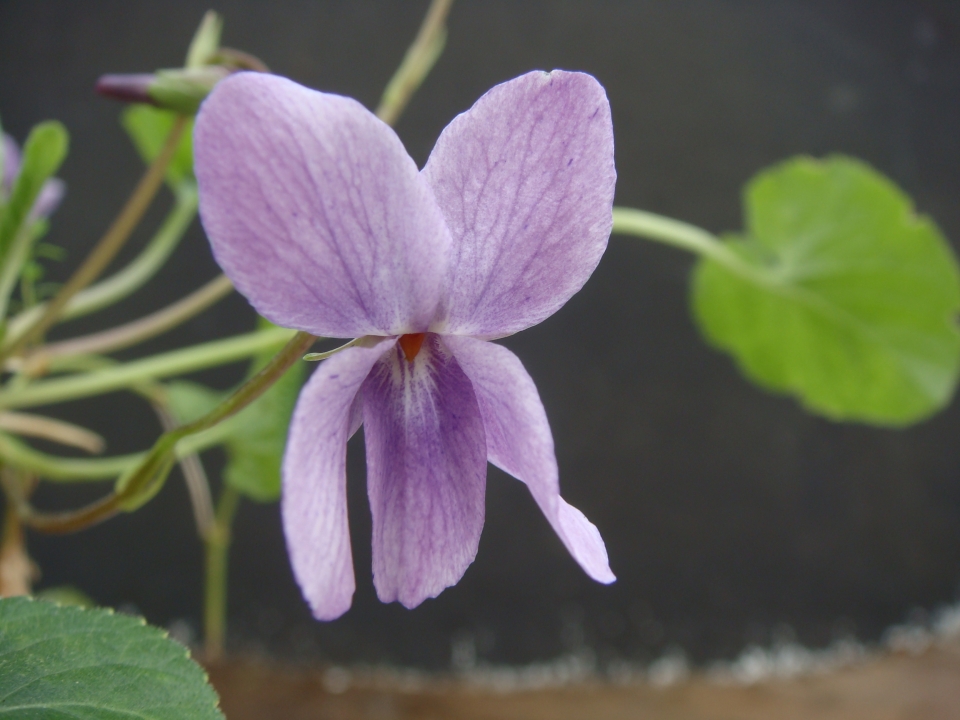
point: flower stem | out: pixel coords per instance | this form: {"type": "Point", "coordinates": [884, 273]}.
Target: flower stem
{"type": "Point", "coordinates": [52, 429]}
{"type": "Point", "coordinates": [120, 285]}
{"type": "Point", "coordinates": [109, 245]}
{"type": "Point", "coordinates": [152, 470]}
{"type": "Point", "coordinates": [217, 545]}
{"type": "Point", "coordinates": [420, 58]}
{"type": "Point", "coordinates": [17, 256]}
{"type": "Point", "coordinates": [119, 377]}
{"type": "Point", "coordinates": [628, 221]}
{"type": "Point", "coordinates": [133, 332]}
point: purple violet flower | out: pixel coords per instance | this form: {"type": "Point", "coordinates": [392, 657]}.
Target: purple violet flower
{"type": "Point", "coordinates": [50, 194]}
{"type": "Point", "coordinates": [321, 219]}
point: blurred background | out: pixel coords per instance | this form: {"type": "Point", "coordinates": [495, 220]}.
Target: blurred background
{"type": "Point", "coordinates": [730, 516]}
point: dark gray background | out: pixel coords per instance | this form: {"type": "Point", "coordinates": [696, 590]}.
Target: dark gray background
{"type": "Point", "coordinates": [726, 511]}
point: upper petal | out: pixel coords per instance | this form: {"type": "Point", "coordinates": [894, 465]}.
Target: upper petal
{"type": "Point", "coordinates": [314, 500]}
{"type": "Point", "coordinates": [519, 441]}
{"type": "Point", "coordinates": [315, 211]}
{"type": "Point", "coordinates": [426, 472]}
{"type": "Point", "coordinates": [525, 180]}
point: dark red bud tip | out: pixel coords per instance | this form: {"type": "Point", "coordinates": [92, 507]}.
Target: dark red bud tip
{"type": "Point", "coordinates": [126, 88]}
{"type": "Point", "coordinates": [411, 344]}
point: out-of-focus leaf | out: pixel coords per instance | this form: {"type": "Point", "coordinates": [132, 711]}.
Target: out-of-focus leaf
{"type": "Point", "coordinates": [149, 127]}
{"type": "Point", "coordinates": [68, 662]}
{"type": "Point", "coordinates": [66, 595]}
{"type": "Point", "coordinates": [43, 153]}
{"type": "Point", "coordinates": [853, 302]}
{"type": "Point", "coordinates": [256, 445]}
{"type": "Point", "coordinates": [189, 401]}
{"type": "Point", "coordinates": [256, 436]}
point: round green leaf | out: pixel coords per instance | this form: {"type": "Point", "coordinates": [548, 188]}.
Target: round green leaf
{"type": "Point", "coordinates": [149, 127]}
{"type": "Point", "coordinates": [846, 299]}
{"type": "Point", "coordinates": [71, 663]}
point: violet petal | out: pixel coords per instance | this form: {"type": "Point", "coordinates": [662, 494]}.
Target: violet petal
{"type": "Point", "coordinates": [49, 198]}
{"type": "Point", "coordinates": [525, 180]}
{"type": "Point", "coordinates": [426, 472]}
{"type": "Point", "coordinates": [11, 164]}
{"type": "Point", "coordinates": [314, 499]}
{"type": "Point", "coordinates": [315, 211]}
{"type": "Point", "coordinates": [519, 441]}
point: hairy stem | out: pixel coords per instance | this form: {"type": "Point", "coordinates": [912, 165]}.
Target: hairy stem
{"type": "Point", "coordinates": [217, 545]}
{"type": "Point", "coordinates": [109, 245]}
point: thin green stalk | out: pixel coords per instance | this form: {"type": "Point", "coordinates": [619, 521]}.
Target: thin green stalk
{"type": "Point", "coordinates": [130, 278]}
{"type": "Point", "coordinates": [151, 473]}
{"type": "Point", "coordinates": [108, 246]}
{"type": "Point", "coordinates": [417, 63]}
{"type": "Point", "coordinates": [217, 545]}
{"type": "Point", "coordinates": [640, 223]}
{"type": "Point", "coordinates": [17, 256]}
{"type": "Point", "coordinates": [133, 332]}
{"type": "Point", "coordinates": [69, 470]}
{"type": "Point", "coordinates": [126, 375]}
{"type": "Point", "coordinates": [47, 428]}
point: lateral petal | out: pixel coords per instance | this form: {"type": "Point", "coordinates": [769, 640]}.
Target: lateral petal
{"type": "Point", "coordinates": [426, 472]}
{"type": "Point", "coordinates": [525, 180]}
{"type": "Point", "coordinates": [519, 441]}
{"type": "Point", "coordinates": [315, 211]}
{"type": "Point", "coordinates": [314, 499]}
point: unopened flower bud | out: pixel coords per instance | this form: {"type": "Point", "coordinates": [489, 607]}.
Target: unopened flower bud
{"type": "Point", "coordinates": [181, 90]}
{"type": "Point", "coordinates": [126, 88]}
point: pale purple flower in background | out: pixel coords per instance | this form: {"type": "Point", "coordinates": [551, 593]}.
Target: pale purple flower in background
{"type": "Point", "coordinates": [321, 219]}
{"type": "Point", "coordinates": [50, 194]}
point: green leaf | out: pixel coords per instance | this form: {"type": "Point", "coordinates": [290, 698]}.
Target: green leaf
{"type": "Point", "coordinates": [190, 401]}
{"type": "Point", "coordinates": [852, 298]}
{"type": "Point", "coordinates": [68, 662]}
{"type": "Point", "coordinates": [66, 595]}
{"type": "Point", "coordinates": [43, 153]}
{"type": "Point", "coordinates": [149, 127]}
{"type": "Point", "coordinates": [259, 436]}
{"type": "Point", "coordinates": [256, 436]}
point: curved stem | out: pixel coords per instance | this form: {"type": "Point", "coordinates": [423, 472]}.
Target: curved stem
{"type": "Point", "coordinates": [121, 284]}
{"type": "Point", "coordinates": [194, 476]}
{"type": "Point", "coordinates": [17, 256]}
{"type": "Point", "coordinates": [21, 455]}
{"type": "Point", "coordinates": [121, 376]}
{"type": "Point", "coordinates": [58, 431]}
{"type": "Point", "coordinates": [317, 357]}
{"type": "Point", "coordinates": [109, 245]}
{"type": "Point", "coordinates": [152, 470]}
{"type": "Point", "coordinates": [133, 332]}
{"type": "Point", "coordinates": [418, 61]}
{"type": "Point", "coordinates": [215, 580]}
{"type": "Point", "coordinates": [688, 237]}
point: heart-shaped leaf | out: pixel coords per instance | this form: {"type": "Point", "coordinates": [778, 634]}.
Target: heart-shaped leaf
{"type": "Point", "coordinates": [844, 298]}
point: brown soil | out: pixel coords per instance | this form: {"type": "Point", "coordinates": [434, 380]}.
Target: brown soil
{"type": "Point", "coordinates": [892, 686]}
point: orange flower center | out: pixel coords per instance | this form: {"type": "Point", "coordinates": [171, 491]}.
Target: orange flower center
{"type": "Point", "coordinates": [411, 344]}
